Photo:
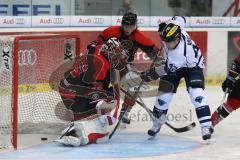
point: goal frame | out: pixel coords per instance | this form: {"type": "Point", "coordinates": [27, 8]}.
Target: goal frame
{"type": "Point", "coordinates": [15, 73]}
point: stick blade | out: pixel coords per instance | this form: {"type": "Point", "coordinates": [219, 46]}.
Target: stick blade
{"type": "Point", "coordinates": [183, 129]}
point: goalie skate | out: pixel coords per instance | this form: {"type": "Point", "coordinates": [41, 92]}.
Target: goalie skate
{"type": "Point", "coordinates": [69, 141]}
{"type": "Point", "coordinates": [73, 137]}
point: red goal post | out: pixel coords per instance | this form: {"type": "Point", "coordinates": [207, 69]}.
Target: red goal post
{"type": "Point", "coordinates": [26, 64]}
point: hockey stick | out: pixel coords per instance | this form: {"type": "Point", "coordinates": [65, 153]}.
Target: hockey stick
{"type": "Point", "coordinates": [142, 104]}
{"type": "Point", "coordinates": [224, 96]}
{"type": "Point", "coordinates": [66, 131]}
{"type": "Point", "coordinates": [121, 115]}
{"type": "Point", "coordinates": [134, 97]}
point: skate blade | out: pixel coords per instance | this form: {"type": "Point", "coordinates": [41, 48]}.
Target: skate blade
{"type": "Point", "coordinates": [59, 141]}
{"type": "Point", "coordinates": [68, 141]}
{"type": "Point", "coordinates": [151, 138]}
{"type": "Point", "coordinates": [208, 142]}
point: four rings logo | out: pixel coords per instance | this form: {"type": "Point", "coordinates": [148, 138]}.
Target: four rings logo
{"type": "Point", "coordinates": [98, 20]}
{"type": "Point", "coordinates": [27, 57]}
{"type": "Point", "coordinates": [58, 20]}
{"type": "Point", "coordinates": [218, 21]}
{"type": "Point", "coordinates": [20, 21]}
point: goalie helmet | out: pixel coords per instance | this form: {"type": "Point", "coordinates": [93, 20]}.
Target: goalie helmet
{"type": "Point", "coordinates": [112, 45]}
{"type": "Point", "coordinates": [170, 32]}
{"type": "Point", "coordinates": [129, 18]}
{"type": "Point", "coordinates": [115, 53]}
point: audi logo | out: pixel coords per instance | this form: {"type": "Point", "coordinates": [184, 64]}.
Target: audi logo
{"type": "Point", "coordinates": [218, 21]}
{"type": "Point", "coordinates": [98, 20]}
{"type": "Point", "coordinates": [58, 20]}
{"type": "Point", "coordinates": [27, 57]}
{"type": "Point", "coordinates": [20, 21]}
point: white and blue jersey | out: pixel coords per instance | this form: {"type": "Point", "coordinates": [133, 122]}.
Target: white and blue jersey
{"type": "Point", "coordinates": [186, 54]}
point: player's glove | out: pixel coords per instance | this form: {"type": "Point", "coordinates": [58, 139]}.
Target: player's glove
{"type": "Point", "coordinates": [228, 83]}
{"type": "Point", "coordinates": [159, 61]}
{"type": "Point", "coordinates": [149, 75]}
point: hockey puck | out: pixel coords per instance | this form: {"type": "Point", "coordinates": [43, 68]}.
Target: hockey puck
{"type": "Point", "coordinates": [43, 138]}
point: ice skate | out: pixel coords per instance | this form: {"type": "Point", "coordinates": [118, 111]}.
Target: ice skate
{"type": "Point", "coordinates": [158, 121]}
{"type": "Point", "coordinates": [207, 132]}
{"type": "Point", "coordinates": [125, 120]}
{"type": "Point", "coordinates": [69, 139]}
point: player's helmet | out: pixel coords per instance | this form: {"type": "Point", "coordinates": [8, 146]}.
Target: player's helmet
{"type": "Point", "coordinates": [129, 18]}
{"type": "Point", "coordinates": [170, 32]}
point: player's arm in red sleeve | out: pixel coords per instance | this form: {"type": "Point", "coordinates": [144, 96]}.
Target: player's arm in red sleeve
{"type": "Point", "coordinates": [114, 31]}
{"type": "Point", "coordinates": [146, 44]}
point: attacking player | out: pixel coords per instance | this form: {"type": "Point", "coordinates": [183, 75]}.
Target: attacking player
{"type": "Point", "coordinates": [90, 91]}
{"type": "Point", "coordinates": [132, 39]}
{"type": "Point", "coordinates": [232, 86]}
{"type": "Point", "coordinates": [184, 60]}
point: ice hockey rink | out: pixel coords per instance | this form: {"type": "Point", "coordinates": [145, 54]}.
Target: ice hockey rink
{"type": "Point", "coordinates": [133, 142]}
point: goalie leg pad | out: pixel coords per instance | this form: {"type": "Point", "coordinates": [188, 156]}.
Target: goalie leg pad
{"type": "Point", "coordinates": [69, 141]}
{"type": "Point", "coordinates": [105, 107]}
{"type": "Point", "coordinates": [69, 137]}
{"type": "Point", "coordinates": [91, 130]}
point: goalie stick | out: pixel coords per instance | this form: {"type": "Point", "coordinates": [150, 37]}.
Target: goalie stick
{"type": "Point", "coordinates": [65, 132]}
{"type": "Point", "coordinates": [142, 104]}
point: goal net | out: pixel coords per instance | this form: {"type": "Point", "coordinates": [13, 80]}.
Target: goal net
{"type": "Point", "coordinates": [30, 67]}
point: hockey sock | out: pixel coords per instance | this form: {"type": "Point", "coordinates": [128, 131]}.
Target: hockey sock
{"type": "Point", "coordinates": [221, 113]}
{"type": "Point", "coordinates": [204, 115]}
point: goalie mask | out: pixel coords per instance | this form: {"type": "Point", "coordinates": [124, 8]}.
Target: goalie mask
{"type": "Point", "coordinates": [113, 45]}
{"type": "Point", "coordinates": [115, 53]}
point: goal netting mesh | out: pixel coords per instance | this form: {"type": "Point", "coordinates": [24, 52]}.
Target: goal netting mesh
{"type": "Point", "coordinates": [40, 67]}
